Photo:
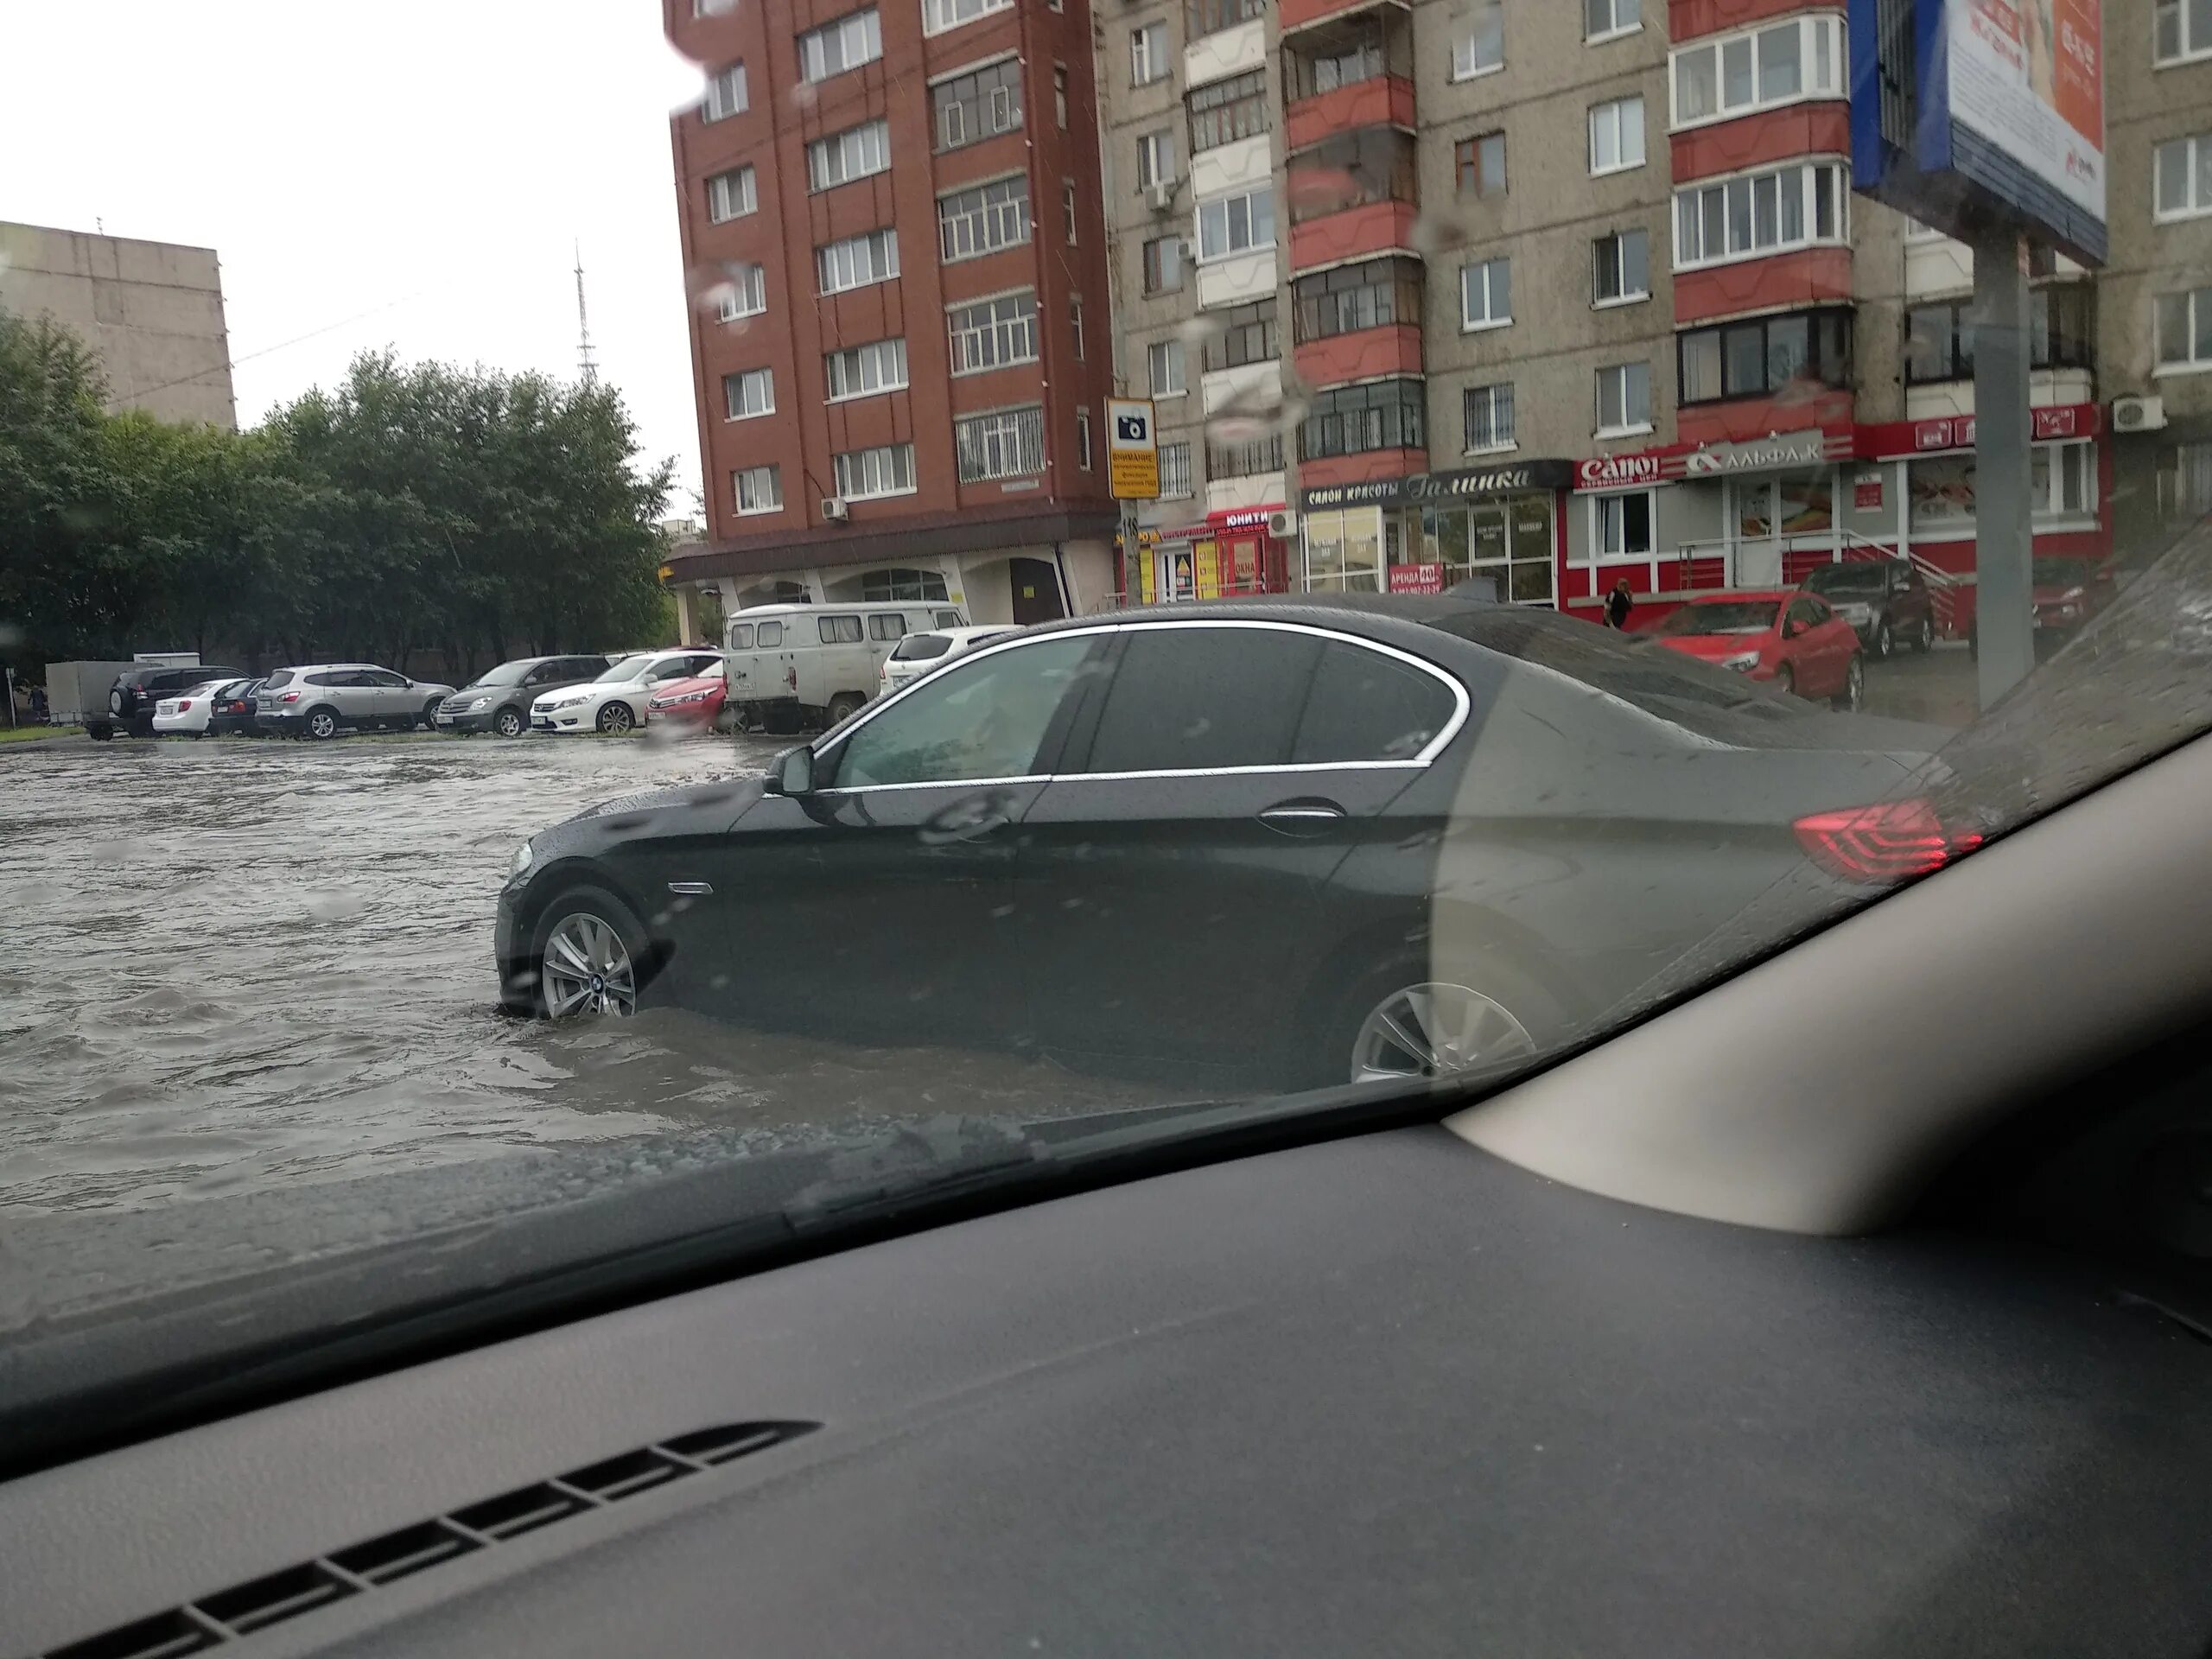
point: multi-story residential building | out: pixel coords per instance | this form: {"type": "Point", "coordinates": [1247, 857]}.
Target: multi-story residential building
{"type": "Point", "coordinates": [901, 335]}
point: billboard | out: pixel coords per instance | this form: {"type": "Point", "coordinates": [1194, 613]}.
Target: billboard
{"type": "Point", "coordinates": [1976, 115]}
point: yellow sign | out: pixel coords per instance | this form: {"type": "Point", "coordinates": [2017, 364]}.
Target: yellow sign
{"type": "Point", "coordinates": [1209, 569]}
{"type": "Point", "coordinates": [1134, 476]}
{"type": "Point", "coordinates": [666, 571]}
{"type": "Point", "coordinates": [1132, 452]}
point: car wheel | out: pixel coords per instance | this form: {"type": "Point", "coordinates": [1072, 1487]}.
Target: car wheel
{"type": "Point", "coordinates": [100, 731]}
{"type": "Point", "coordinates": [844, 705]}
{"type": "Point", "coordinates": [616, 718]}
{"type": "Point", "coordinates": [508, 723]}
{"type": "Point", "coordinates": [322, 723]}
{"type": "Point", "coordinates": [588, 955]}
{"type": "Point", "coordinates": [1853, 697]}
{"type": "Point", "coordinates": [1884, 640]}
{"type": "Point", "coordinates": [1415, 1020]}
{"type": "Point", "coordinates": [1924, 640]}
{"type": "Point", "coordinates": [430, 714]}
{"type": "Point", "coordinates": [1785, 680]}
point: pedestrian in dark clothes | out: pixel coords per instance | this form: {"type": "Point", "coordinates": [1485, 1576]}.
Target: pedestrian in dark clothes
{"type": "Point", "coordinates": [1619, 605]}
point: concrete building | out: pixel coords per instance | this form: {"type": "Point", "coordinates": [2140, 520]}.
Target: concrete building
{"type": "Point", "coordinates": [152, 310]}
{"type": "Point", "coordinates": [903, 341]}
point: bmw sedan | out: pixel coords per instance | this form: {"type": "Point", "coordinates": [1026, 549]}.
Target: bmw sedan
{"type": "Point", "coordinates": [1292, 841]}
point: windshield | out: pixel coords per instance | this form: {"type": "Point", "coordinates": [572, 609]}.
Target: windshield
{"type": "Point", "coordinates": [1386, 437]}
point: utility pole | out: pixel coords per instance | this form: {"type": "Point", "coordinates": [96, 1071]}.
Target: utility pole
{"type": "Point", "coordinates": [585, 363]}
{"type": "Point", "coordinates": [2004, 515]}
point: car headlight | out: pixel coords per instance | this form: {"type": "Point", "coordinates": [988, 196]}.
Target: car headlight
{"type": "Point", "coordinates": [477, 705]}
{"type": "Point", "coordinates": [520, 861]}
{"type": "Point", "coordinates": [563, 703]}
{"type": "Point", "coordinates": [1741, 661]}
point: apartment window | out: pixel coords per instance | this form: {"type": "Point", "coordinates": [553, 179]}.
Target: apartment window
{"type": "Point", "coordinates": [1249, 460]}
{"type": "Point", "coordinates": [1603, 19]}
{"type": "Point", "coordinates": [1353, 420]}
{"type": "Point", "coordinates": [1761, 358]}
{"type": "Point", "coordinates": [1212, 16]}
{"type": "Point", "coordinates": [1480, 46]}
{"type": "Point", "coordinates": [732, 195]}
{"type": "Point", "coordinates": [1082, 439]}
{"type": "Point", "coordinates": [1228, 110]}
{"type": "Point", "coordinates": [1163, 264]}
{"type": "Point", "coordinates": [2185, 482]}
{"type": "Point", "coordinates": [1075, 323]}
{"type": "Point", "coordinates": [744, 295]}
{"type": "Point", "coordinates": [837, 47]}
{"type": "Point", "coordinates": [983, 219]}
{"type": "Point", "coordinates": [1624, 399]}
{"type": "Point", "coordinates": [853, 154]}
{"type": "Point", "coordinates": [1165, 360]}
{"type": "Point", "coordinates": [1761, 213]}
{"type": "Point", "coordinates": [759, 489]}
{"type": "Point", "coordinates": [725, 95]}
{"type": "Point", "coordinates": [1060, 94]}
{"type": "Point", "coordinates": [1620, 268]}
{"type": "Point", "coordinates": [1719, 80]}
{"type": "Point", "coordinates": [860, 474]}
{"type": "Point", "coordinates": [937, 16]}
{"type": "Point", "coordinates": [1488, 414]}
{"type": "Point", "coordinates": [2185, 329]}
{"type": "Point", "coordinates": [980, 104]}
{"type": "Point", "coordinates": [1155, 159]}
{"type": "Point", "coordinates": [1480, 162]}
{"type": "Point", "coordinates": [991, 333]}
{"type": "Point", "coordinates": [857, 261]}
{"type": "Point", "coordinates": [1067, 208]}
{"type": "Point", "coordinates": [1939, 338]}
{"type": "Point", "coordinates": [1248, 335]}
{"type": "Point", "coordinates": [1372, 294]}
{"type": "Point", "coordinates": [1343, 55]}
{"type": "Point", "coordinates": [2181, 29]}
{"type": "Point", "coordinates": [2181, 172]}
{"type": "Point", "coordinates": [1620, 526]}
{"type": "Point", "coordinates": [1615, 136]}
{"type": "Point", "coordinates": [1175, 482]}
{"type": "Point", "coordinates": [1486, 293]}
{"type": "Point", "coordinates": [863, 371]}
{"type": "Point", "coordinates": [1147, 54]}
{"type": "Point", "coordinates": [751, 394]}
{"type": "Point", "coordinates": [1233, 225]}
{"type": "Point", "coordinates": [1005, 443]}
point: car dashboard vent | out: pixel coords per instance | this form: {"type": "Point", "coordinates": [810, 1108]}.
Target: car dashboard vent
{"type": "Point", "coordinates": [231, 1614]}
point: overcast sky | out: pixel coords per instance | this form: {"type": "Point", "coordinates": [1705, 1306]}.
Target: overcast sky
{"type": "Point", "coordinates": [429, 162]}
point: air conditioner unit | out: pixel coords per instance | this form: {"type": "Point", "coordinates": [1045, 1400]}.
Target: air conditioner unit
{"type": "Point", "coordinates": [834, 510]}
{"type": "Point", "coordinates": [1161, 195]}
{"type": "Point", "coordinates": [2138, 414]}
{"type": "Point", "coordinates": [1282, 525]}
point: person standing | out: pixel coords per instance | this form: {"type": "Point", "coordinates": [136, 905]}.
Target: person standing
{"type": "Point", "coordinates": [1619, 604]}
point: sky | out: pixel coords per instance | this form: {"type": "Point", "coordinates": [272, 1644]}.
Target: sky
{"type": "Point", "coordinates": [414, 173]}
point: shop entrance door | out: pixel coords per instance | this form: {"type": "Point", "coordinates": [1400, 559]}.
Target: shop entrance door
{"type": "Point", "coordinates": [1036, 587]}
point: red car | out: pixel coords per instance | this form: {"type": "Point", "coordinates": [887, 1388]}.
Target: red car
{"type": "Point", "coordinates": [1792, 639]}
{"type": "Point", "coordinates": [696, 701]}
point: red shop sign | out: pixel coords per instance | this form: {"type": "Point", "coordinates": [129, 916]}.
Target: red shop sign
{"type": "Point", "coordinates": [1609, 471]}
{"type": "Point", "coordinates": [1416, 578]}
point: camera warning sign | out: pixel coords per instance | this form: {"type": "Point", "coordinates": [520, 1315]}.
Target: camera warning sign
{"type": "Point", "coordinates": [1132, 451]}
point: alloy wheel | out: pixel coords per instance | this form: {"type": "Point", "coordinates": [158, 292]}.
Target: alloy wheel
{"type": "Point", "coordinates": [509, 723]}
{"type": "Point", "coordinates": [587, 969]}
{"type": "Point", "coordinates": [322, 723]}
{"type": "Point", "coordinates": [615, 718]}
{"type": "Point", "coordinates": [1434, 1030]}
{"type": "Point", "coordinates": [1854, 685]}
{"type": "Point", "coordinates": [1883, 638]}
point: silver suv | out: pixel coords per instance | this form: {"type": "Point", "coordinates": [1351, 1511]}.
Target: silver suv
{"type": "Point", "coordinates": [321, 697]}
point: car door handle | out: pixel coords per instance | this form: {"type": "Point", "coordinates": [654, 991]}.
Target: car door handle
{"type": "Point", "coordinates": [1302, 817]}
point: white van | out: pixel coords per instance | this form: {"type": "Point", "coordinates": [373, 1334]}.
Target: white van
{"type": "Point", "coordinates": [796, 665]}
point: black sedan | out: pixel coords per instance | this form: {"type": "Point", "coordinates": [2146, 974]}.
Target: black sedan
{"type": "Point", "coordinates": [233, 711]}
{"type": "Point", "coordinates": [1290, 843]}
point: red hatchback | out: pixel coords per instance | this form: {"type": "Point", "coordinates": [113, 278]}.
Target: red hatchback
{"type": "Point", "coordinates": [1792, 639]}
{"type": "Point", "coordinates": [696, 702]}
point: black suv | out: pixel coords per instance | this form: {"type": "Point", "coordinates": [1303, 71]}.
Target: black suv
{"type": "Point", "coordinates": [131, 700]}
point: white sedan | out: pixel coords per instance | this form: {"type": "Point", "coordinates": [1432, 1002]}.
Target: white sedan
{"type": "Point", "coordinates": [615, 701]}
{"type": "Point", "coordinates": [189, 710]}
{"type": "Point", "coordinates": [918, 653]}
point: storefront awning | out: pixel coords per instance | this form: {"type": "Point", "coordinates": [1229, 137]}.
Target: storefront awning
{"type": "Point", "coordinates": [897, 542]}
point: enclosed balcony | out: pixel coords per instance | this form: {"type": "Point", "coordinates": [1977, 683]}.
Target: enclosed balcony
{"type": "Point", "coordinates": [1348, 73]}
{"type": "Point", "coordinates": [1354, 194]}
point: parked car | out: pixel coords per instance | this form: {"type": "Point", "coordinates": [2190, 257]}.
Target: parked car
{"type": "Point", "coordinates": [137, 690]}
{"type": "Point", "coordinates": [918, 653]}
{"type": "Point", "coordinates": [500, 700]}
{"type": "Point", "coordinates": [1886, 601]}
{"type": "Point", "coordinates": [1209, 839]}
{"type": "Point", "coordinates": [1793, 640]}
{"type": "Point", "coordinates": [697, 702]}
{"type": "Point", "coordinates": [615, 701]}
{"type": "Point", "coordinates": [187, 712]}
{"type": "Point", "coordinates": [319, 699]}
{"type": "Point", "coordinates": [792, 665]}
{"type": "Point", "coordinates": [2067, 594]}
{"type": "Point", "coordinates": [233, 711]}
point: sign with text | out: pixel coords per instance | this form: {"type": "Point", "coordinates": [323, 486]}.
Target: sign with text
{"type": "Point", "coordinates": [1465, 483]}
{"type": "Point", "coordinates": [1416, 578]}
{"type": "Point", "coordinates": [1132, 450]}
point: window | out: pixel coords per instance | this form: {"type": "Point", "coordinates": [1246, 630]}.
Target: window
{"type": "Point", "coordinates": [1351, 298]}
{"type": "Point", "coordinates": [1236, 224]}
{"type": "Point", "coordinates": [1082, 439]}
{"type": "Point", "coordinates": [857, 261]}
{"type": "Point", "coordinates": [1620, 268]}
{"type": "Point", "coordinates": [1005, 443]}
{"type": "Point", "coordinates": [759, 489]}
{"type": "Point", "coordinates": [1155, 159]}
{"type": "Point", "coordinates": [1060, 94]}
{"type": "Point", "coordinates": [983, 219]}
{"type": "Point", "coordinates": [725, 95]}
{"type": "Point", "coordinates": [1075, 323]}
{"type": "Point", "coordinates": [1488, 411]}
{"type": "Point", "coordinates": [1212, 16]}
{"type": "Point", "coordinates": [1167, 673]}
{"type": "Point", "coordinates": [2181, 29]}
{"type": "Point", "coordinates": [838, 630]}
{"type": "Point", "coordinates": [863, 371]}
{"type": "Point", "coordinates": [1352, 420]}
{"type": "Point", "coordinates": [1939, 338]}
{"type": "Point", "coordinates": [2185, 323]}
{"type": "Point", "coordinates": [744, 295]}
{"type": "Point", "coordinates": [1603, 19]}
{"type": "Point", "coordinates": [1251, 459]}
{"type": "Point", "coordinates": [732, 195]}
{"type": "Point", "coordinates": [1760, 358]}
{"type": "Point", "coordinates": [771, 633]}
{"type": "Point", "coordinates": [1480, 46]}
{"type": "Point", "coordinates": [1486, 293]}
{"type": "Point", "coordinates": [893, 626]}
{"type": "Point", "coordinates": [2062, 486]}
{"type": "Point", "coordinates": [991, 333]}
{"type": "Point", "coordinates": [1720, 78]}
{"type": "Point", "coordinates": [1480, 164]}
{"type": "Point", "coordinates": [1247, 335]}
{"type": "Point", "coordinates": [1067, 208]}
{"type": "Point", "coordinates": [968, 721]}
{"type": "Point", "coordinates": [1351, 51]}
{"type": "Point", "coordinates": [1228, 110]}
{"type": "Point", "coordinates": [853, 154]}
{"type": "Point", "coordinates": [2182, 171]}
{"type": "Point", "coordinates": [860, 474]}
{"type": "Point", "coordinates": [751, 394]}
{"type": "Point", "coordinates": [2185, 482]}
{"type": "Point", "coordinates": [1367, 164]}
{"type": "Point", "coordinates": [1760, 213]}
{"type": "Point", "coordinates": [900, 582]}
{"type": "Point", "coordinates": [1365, 706]}
{"type": "Point", "coordinates": [1175, 482]}
{"type": "Point", "coordinates": [1624, 398]}
{"type": "Point", "coordinates": [1163, 264]}
{"type": "Point", "coordinates": [837, 47]}
{"type": "Point", "coordinates": [967, 108]}
{"type": "Point", "coordinates": [1615, 136]}
{"type": "Point", "coordinates": [1147, 54]}
{"type": "Point", "coordinates": [937, 16]}
{"type": "Point", "coordinates": [1165, 360]}
{"type": "Point", "coordinates": [1620, 526]}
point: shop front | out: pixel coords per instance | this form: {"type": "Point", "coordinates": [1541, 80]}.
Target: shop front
{"type": "Point", "coordinates": [1232, 554]}
{"type": "Point", "coordinates": [1499, 526]}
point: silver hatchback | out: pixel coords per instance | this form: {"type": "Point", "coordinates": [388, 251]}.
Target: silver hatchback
{"type": "Point", "coordinates": [319, 699]}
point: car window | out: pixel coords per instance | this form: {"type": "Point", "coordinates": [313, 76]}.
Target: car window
{"type": "Point", "coordinates": [946, 620]}
{"type": "Point", "coordinates": [1816, 610]}
{"type": "Point", "coordinates": [839, 630]}
{"type": "Point", "coordinates": [880, 626]}
{"type": "Point", "coordinates": [771, 633]}
{"type": "Point", "coordinates": [383, 676]}
{"type": "Point", "coordinates": [1184, 698]}
{"type": "Point", "coordinates": [1800, 612]}
{"type": "Point", "coordinates": [741, 636]}
{"type": "Point", "coordinates": [705, 662]}
{"type": "Point", "coordinates": [984, 719]}
{"type": "Point", "coordinates": [921, 648]}
{"type": "Point", "coordinates": [1365, 706]}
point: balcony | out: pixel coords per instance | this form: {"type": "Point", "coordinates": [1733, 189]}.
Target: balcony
{"type": "Point", "coordinates": [1237, 279]}
{"type": "Point", "coordinates": [1235, 494]}
{"type": "Point", "coordinates": [1381, 100]}
{"type": "Point", "coordinates": [1297, 15]}
{"type": "Point", "coordinates": [1392, 348]}
{"type": "Point", "coordinates": [1374, 227]}
{"type": "Point", "coordinates": [1227, 169]}
{"type": "Point", "coordinates": [2047, 389]}
{"type": "Point", "coordinates": [1359, 468]}
{"type": "Point", "coordinates": [1775, 282]}
{"type": "Point", "coordinates": [1247, 386]}
{"type": "Point", "coordinates": [1225, 52]}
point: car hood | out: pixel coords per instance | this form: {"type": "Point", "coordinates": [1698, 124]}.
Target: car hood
{"type": "Point", "coordinates": [591, 688]}
{"type": "Point", "coordinates": [683, 688]}
{"type": "Point", "coordinates": [686, 810]}
{"type": "Point", "coordinates": [1712, 647]}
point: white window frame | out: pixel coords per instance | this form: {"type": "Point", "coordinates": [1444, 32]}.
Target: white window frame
{"type": "Point", "coordinates": [865, 370]}
{"type": "Point", "coordinates": [1222, 209]}
{"type": "Point", "coordinates": [1627, 295]}
{"type": "Point", "coordinates": [1082, 439]}
{"type": "Point", "coordinates": [1616, 29]}
{"type": "Point", "coordinates": [738, 402]}
{"type": "Point", "coordinates": [2194, 301]}
{"type": "Point", "coordinates": [1623, 428]}
{"type": "Point", "coordinates": [1465, 66]}
{"type": "Point", "coordinates": [859, 152]}
{"type": "Point", "coordinates": [882, 246]}
{"type": "Point", "coordinates": [1489, 395]}
{"type": "Point", "coordinates": [1802, 177]}
{"type": "Point", "coordinates": [752, 284]}
{"type": "Point", "coordinates": [726, 95]}
{"type": "Point", "coordinates": [1002, 103]}
{"type": "Point", "coordinates": [1148, 54]}
{"type": "Point", "coordinates": [941, 17]}
{"type": "Point", "coordinates": [1156, 151]}
{"type": "Point", "coordinates": [2192, 50]}
{"type": "Point", "coordinates": [814, 45]}
{"type": "Point", "coordinates": [1009, 323]}
{"type": "Point", "coordinates": [984, 218]}
{"type": "Point", "coordinates": [734, 194]}
{"type": "Point", "coordinates": [2194, 153]}
{"type": "Point", "coordinates": [1614, 113]}
{"type": "Point", "coordinates": [1821, 41]}
{"type": "Point", "coordinates": [1177, 480]}
{"type": "Point", "coordinates": [1469, 322]}
{"type": "Point", "coordinates": [868, 467]}
{"type": "Point", "coordinates": [1616, 500]}
{"type": "Point", "coordinates": [1168, 369]}
{"type": "Point", "coordinates": [998, 443]}
{"type": "Point", "coordinates": [771, 475]}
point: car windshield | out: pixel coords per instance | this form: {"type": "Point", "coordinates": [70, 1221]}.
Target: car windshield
{"type": "Point", "coordinates": [1375, 445]}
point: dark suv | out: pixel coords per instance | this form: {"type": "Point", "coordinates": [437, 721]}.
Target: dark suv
{"type": "Point", "coordinates": [1885, 601]}
{"type": "Point", "coordinates": [499, 700]}
{"type": "Point", "coordinates": [131, 700]}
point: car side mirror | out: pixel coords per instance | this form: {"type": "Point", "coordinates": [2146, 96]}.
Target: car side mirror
{"type": "Point", "coordinates": [793, 773]}
{"type": "Point", "coordinates": [1792, 627]}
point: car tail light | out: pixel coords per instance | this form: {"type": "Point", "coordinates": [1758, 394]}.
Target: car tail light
{"type": "Point", "coordinates": [182, 704]}
{"type": "Point", "coordinates": [1893, 841]}
{"type": "Point", "coordinates": [291, 696]}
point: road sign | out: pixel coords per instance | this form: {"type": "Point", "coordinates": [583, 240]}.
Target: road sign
{"type": "Point", "coordinates": [1132, 450]}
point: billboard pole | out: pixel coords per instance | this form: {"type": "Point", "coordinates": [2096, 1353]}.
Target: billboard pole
{"type": "Point", "coordinates": [2003, 514]}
